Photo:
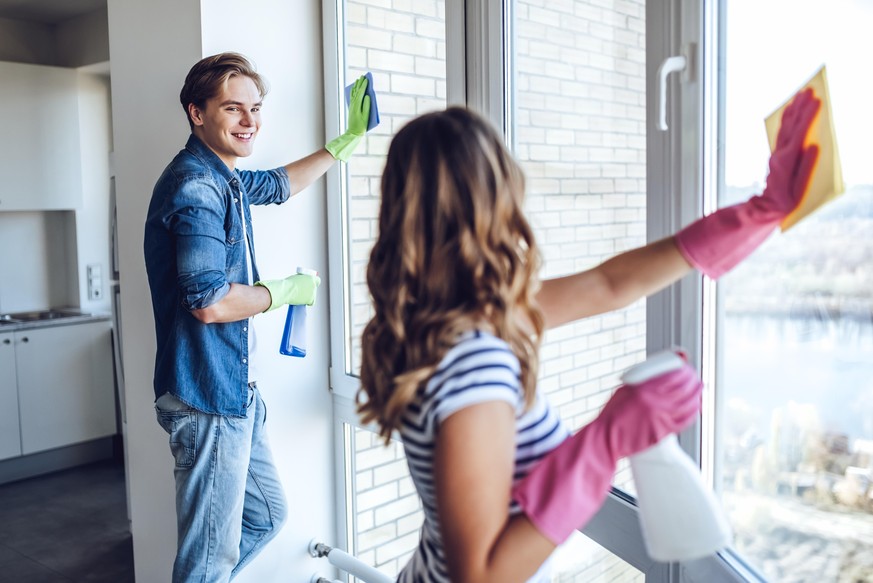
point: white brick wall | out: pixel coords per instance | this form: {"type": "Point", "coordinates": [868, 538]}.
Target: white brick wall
{"type": "Point", "coordinates": [580, 131]}
{"type": "Point", "coordinates": [387, 509]}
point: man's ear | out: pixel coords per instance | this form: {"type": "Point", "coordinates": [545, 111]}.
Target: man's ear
{"type": "Point", "coordinates": [195, 114]}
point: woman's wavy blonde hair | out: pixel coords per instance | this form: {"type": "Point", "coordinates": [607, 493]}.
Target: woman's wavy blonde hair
{"type": "Point", "coordinates": [454, 253]}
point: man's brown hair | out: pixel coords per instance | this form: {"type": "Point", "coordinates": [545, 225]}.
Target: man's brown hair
{"type": "Point", "coordinates": [209, 75]}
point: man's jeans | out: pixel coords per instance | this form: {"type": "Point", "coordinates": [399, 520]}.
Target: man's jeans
{"type": "Point", "coordinates": [229, 501]}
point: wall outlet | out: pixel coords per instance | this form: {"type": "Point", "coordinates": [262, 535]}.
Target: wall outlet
{"type": "Point", "coordinates": [95, 282]}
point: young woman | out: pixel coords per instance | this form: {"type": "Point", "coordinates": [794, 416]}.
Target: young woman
{"type": "Point", "coordinates": [450, 357]}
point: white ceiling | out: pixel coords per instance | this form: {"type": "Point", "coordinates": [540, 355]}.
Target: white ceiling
{"type": "Point", "coordinates": [47, 11]}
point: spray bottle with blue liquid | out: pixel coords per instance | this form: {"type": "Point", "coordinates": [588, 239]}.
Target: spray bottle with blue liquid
{"type": "Point", "coordinates": [294, 335]}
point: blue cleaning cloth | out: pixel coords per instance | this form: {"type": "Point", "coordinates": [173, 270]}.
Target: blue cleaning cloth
{"type": "Point", "coordinates": [374, 109]}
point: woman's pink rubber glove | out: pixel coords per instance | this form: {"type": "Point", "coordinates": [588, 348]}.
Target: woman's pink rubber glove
{"type": "Point", "coordinates": [719, 241]}
{"type": "Point", "coordinates": [568, 486]}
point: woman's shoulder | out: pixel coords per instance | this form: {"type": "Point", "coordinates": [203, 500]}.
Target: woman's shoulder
{"type": "Point", "coordinates": [477, 347]}
{"type": "Point", "coordinates": [479, 366]}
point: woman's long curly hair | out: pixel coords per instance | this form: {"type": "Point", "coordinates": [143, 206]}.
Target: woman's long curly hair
{"type": "Point", "coordinates": [454, 253]}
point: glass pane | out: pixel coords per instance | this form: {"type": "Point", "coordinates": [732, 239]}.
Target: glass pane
{"type": "Point", "coordinates": [403, 44]}
{"type": "Point", "coordinates": [581, 560]}
{"type": "Point", "coordinates": [795, 336]}
{"type": "Point", "coordinates": [579, 99]}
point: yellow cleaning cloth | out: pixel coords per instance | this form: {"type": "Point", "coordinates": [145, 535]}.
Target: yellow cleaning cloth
{"type": "Point", "coordinates": [827, 177]}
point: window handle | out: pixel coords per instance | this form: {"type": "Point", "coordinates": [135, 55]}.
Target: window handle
{"type": "Point", "coordinates": [673, 64]}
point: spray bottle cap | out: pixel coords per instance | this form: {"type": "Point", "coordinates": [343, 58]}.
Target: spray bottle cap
{"type": "Point", "coordinates": [307, 271]}
{"type": "Point", "coordinates": [657, 364]}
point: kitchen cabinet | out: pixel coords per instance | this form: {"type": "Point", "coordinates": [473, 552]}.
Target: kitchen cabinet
{"type": "Point", "coordinates": [40, 160]}
{"type": "Point", "coordinates": [65, 385]}
{"type": "Point", "coordinates": [10, 434]}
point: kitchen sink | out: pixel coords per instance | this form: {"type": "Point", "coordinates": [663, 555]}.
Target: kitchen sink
{"type": "Point", "coordinates": [6, 319]}
{"type": "Point", "coordinates": [40, 315]}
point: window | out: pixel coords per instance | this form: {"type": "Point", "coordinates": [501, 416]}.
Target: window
{"type": "Point", "coordinates": [569, 82]}
{"type": "Point", "coordinates": [793, 341]}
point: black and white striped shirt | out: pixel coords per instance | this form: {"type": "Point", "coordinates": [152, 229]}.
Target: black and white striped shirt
{"type": "Point", "coordinates": [479, 368]}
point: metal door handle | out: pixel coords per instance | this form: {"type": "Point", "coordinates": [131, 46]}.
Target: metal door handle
{"type": "Point", "coordinates": [669, 65]}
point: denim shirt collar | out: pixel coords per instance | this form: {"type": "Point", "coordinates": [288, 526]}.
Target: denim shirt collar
{"type": "Point", "coordinates": [203, 153]}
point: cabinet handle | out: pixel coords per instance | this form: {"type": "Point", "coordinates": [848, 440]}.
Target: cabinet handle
{"type": "Point", "coordinates": [25, 339]}
{"type": "Point", "coordinates": [7, 341]}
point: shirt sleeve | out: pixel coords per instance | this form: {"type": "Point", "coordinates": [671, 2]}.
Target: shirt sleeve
{"type": "Point", "coordinates": [486, 371]}
{"type": "Point", "coordinates": [195, 215]}
{"type": "Point", "coordinates": [266, 186]}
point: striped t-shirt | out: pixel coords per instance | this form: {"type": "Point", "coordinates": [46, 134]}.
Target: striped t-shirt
{"type": "Point", "coordinates": [478, 369]}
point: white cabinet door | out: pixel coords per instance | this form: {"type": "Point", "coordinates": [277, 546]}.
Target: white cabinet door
{"type": "Point", "coordinates": [65, 385]}
{"type": "Point", "coordinates": [10, 435]}
{"type": "Point", "coordinates": [40, 160]}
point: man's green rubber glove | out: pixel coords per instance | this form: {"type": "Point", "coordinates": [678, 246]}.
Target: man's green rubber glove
{"type": "Point", "coordinates": [298, 289]}
{"type": "Point", "coordinates": [343, 146]}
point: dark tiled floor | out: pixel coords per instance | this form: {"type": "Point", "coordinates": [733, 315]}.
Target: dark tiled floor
{"type": "Point", "coordinates": [70, 526]}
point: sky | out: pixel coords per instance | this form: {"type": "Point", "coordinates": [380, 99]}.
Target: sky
{"type": "Point", "coordinates": [773, 48]}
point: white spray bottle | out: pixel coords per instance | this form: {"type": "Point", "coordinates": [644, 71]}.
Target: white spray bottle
{"type": "Point", "coordinates": [681, 519]}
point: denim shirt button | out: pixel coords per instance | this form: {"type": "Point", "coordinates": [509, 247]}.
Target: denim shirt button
{"type": "Point", "coordinates": [245, 328]}
{"type": "Point", "coordinates": [235, 199]}
{"type": "Point", "coordinates": [245, 360]}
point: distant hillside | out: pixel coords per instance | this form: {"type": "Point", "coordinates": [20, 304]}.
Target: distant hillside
{"type": "Point", "coordinates": [824, 263]}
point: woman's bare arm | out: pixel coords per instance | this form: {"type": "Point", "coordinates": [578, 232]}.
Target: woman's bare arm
{"type": "Point", "coordinates": [475, 459]}
{"type": "Point", "coordinates": [613, 284]}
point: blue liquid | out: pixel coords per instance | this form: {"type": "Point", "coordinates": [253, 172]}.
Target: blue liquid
{"type": "Point", "coordinates": [294, 335]}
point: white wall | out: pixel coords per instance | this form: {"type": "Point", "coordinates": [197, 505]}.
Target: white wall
{"type": "Point", "coordinates": [92, 219]}
{"type": "Point", "coordinates": [33, 260]}
{"type": "Point", "coordinates": [49, 271]}
{"type": "Point", "coordinates": [151, 54]}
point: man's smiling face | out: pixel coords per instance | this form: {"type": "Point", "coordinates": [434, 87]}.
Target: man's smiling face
{"type": "Point", "coordinates": [229, 122]}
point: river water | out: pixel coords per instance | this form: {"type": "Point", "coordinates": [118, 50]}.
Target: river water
{"type": "Point", "coordinates": [798, 446]}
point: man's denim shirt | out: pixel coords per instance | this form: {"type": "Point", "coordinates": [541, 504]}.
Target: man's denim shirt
{"type": "Point", "coordinates": [194, 250]}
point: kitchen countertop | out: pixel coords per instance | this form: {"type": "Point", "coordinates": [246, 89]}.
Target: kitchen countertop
{"type": "Point", "coordinates": [13, 322]}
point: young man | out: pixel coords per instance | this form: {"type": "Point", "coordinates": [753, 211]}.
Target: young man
{"type": "Point", "coordinates": [205, 288]}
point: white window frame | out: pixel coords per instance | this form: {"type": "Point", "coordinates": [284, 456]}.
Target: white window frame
{"type": "Point", "coordinates": [691, 162]}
